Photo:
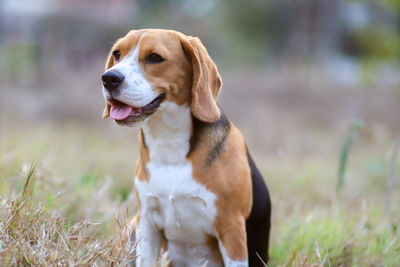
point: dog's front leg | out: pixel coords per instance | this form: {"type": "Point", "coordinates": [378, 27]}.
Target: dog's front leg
{"type": "Point", "coordinates": [148, 239]}
{"type": "Point", "coordinates": [233, 242]}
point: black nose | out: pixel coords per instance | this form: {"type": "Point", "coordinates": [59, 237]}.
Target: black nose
{"type": "Point", "coordinates": [112, 79]}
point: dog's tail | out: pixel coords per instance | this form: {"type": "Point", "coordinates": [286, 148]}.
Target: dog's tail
{"type": "Point", "coordinates": [258, 224]}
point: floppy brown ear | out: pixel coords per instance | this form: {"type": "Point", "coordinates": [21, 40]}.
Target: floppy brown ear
{"type": "Point", "coordinates": [109, 64]}
{"type": "Point", "coordinates": [207, 82]}
{"type": "Point", "coordinates": [106, 111]}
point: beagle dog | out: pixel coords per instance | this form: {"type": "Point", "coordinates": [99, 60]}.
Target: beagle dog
{"type": "Point", "coordinates": [201, 198]}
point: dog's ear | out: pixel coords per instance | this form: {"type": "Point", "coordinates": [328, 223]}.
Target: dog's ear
{"type": "Point", "coordinates": [109, 64]}
{"type": "Point", "coordinates": [106, 111]}
{"type": "Point", "coordinates": [207, 82]}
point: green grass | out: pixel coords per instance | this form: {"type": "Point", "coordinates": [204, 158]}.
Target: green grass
{"type": "Point", "coordinates": [336, 239]}
{"type": "Point", "coordinates": [64, 209]}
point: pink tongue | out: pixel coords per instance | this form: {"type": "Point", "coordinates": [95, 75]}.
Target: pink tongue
{"type": "Point", "coordinates": [120, 112]}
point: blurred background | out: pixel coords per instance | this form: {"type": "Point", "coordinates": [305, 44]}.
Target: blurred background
{"type": "Point", "coordinates": [285, 64]}
{"type": "Point", "coordinates": [301, 79]}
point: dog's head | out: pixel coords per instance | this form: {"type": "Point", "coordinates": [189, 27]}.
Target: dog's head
{"type": "Point", "coordinates": [148, 68]}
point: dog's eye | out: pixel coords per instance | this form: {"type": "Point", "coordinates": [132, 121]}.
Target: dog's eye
{"type": "Point", "coordinates": [154, 58]}
{"type": "Point", "coordinates": [116, 54]}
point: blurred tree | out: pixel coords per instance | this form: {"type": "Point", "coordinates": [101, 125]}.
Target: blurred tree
{"type": "Point", "coordinates": [257, 30]}
{"type": "Point", "coordinates": [371, 34]}
{"type": "Point", "coordinates": [243, 32]}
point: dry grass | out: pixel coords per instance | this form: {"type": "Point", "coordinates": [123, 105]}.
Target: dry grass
{"type": "Point", "coordinates": [33, 233]}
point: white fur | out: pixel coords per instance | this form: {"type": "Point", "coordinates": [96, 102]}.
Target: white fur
{"type": "Point", "coordinates": [167, 133]}
{"type": "Point", "coordinates": [172, 201]}
{"type": "Point", "coordinates": [135, 90]}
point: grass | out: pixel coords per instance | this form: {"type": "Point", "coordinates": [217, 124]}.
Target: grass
{"type": "Point", "coordinates": [32, 233]}
{"type": "Point", "coordinates": [68, 207]}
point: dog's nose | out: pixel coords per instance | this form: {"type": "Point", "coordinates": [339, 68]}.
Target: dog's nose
{"type": "Point", "coordinates": [112, 79]}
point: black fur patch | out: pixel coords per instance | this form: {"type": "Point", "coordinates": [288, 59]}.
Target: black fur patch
{"type": "Point", "coordinates": [217, 132]}
{"type": "Point", "coordinates": [258, 224]}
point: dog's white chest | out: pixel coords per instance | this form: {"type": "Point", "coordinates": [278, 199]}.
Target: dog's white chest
{"type": "Point", "coordinates": [175, 203]}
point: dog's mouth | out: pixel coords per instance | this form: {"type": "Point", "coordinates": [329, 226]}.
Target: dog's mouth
{"type": "Point", "coordinates": [123, 113]}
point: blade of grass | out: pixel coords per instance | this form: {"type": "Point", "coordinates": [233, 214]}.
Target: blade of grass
{"type": "Point", "coordinates": [21, 200]}
{"type": "Point", "coordinates": [29, 175]}
{"type": "Point", "coordinates": [389, 179]}
{"type": "Point", "coordinates": [351, 136]}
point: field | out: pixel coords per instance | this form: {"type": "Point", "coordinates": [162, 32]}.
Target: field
{"type": "Point", "coordinates": [66, 181]}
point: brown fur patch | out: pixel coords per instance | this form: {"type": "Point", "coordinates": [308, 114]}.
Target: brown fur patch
{"type": "Point", "coordinates": [141, 170]}
{"type": "Point", "coordinates": [229, 178]}
{"type": "Point", "coordinates": [207, 82]}
{"type": "Point", "coordinates": [172, 77]}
